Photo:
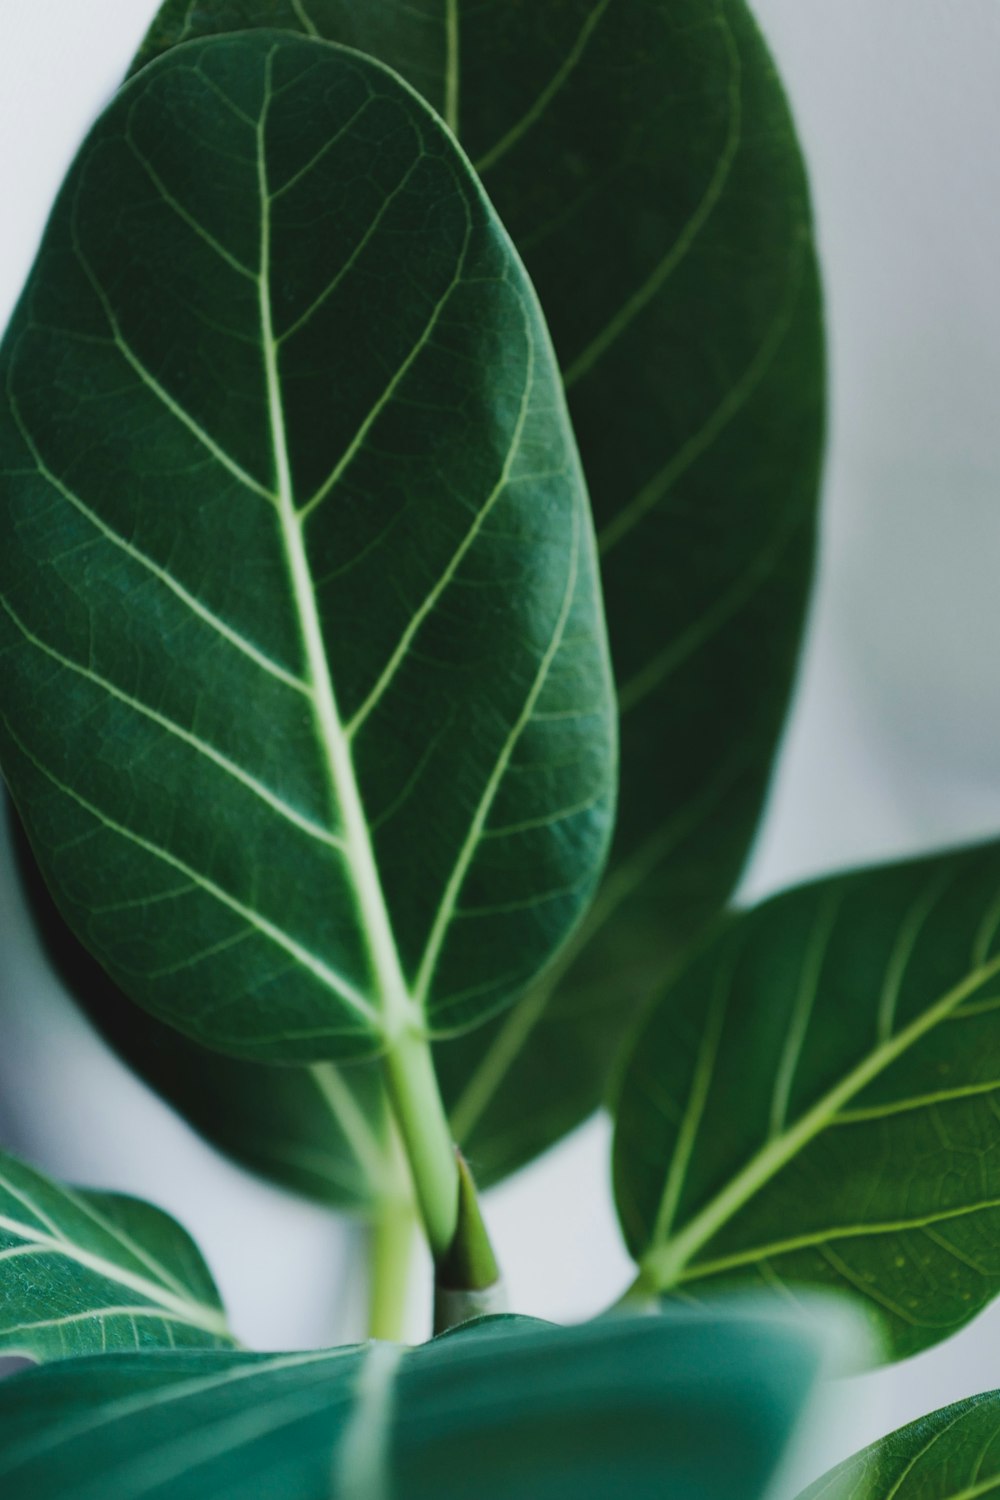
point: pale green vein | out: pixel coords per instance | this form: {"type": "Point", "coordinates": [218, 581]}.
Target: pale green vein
{"type": "Point", "coordinates": [112, 1228]}
{"type": "Point", "coordinates": [223, 97]}
{"type": "Point", "coordinates": [528, 902]}
{"type": "Point", "coordinates": [460, 869]}
{"type": "Point", "coordinates": [102, 1314]}
{"type": "Point", "coordinates": [358, 441]}
{"type": "Point", "coordinates": [187, 1450]}
{"type": "Point", "coordinates": [545, 820]}
{"type": "Point", "coordinates": [324, 150]}
{"type": "Point", "coordinates": [866, 1288]}
{"type": "Point", "coordinates": [308, 24]}
{"type": "Point", "coordinates": [433, 595]}
{"type": "Point", "coordinates": [637, 688]}
{"type": "Point", "coordinates": [185, 1308]}
{"type": "Point", "coordinates": [201, 747]}
{"type": "Point", "coordinates": [802, 1008]}
{"type": "Point", "coordinates": [665, 1263]}
{"type": "Point", "coordinates": [547, 94]}
{"type": "Point", "coordinates": [730, 405]}
{"type": "Point", "coordinates": [915, 1102]}
{"type": "Point", "coordinates": [60, 1431]}
{"type": "Point", "coordinates": [368, 1151]}
{"type": "Point", "coordinates": [193, 958]}
{"type": "Point", "coordinates": [352, 259]}
{"type": "Point", "coordinates": [833, 1232]}
{"type": "Point", "coordinates": [45, 1219]}
{"type": "Point", "coordinates": [362, 1458]}
{"type": "Point", "coordinates": [315, 966]}
{"type": "Point", "coordinates": [921, 1453]}
{"type": "Point", "coordinates": [177, 207]}
{"type": "Point", "coordinates": [189, 600]}
{"type": "Point", "coordinates": [634, 305]}
{"type": "Point", "coordinates": [902, 952]}
{"type": "Point", "coordinates": [18, 1252]}
{"type": "Point", "coordinates": [701, 1082]}
{"type": "Point", "coordinates": [148, 379]}
{"type": "Point", "coordinates": [629, 875]}
{"type": "Point", "coordinates": [983, 941]}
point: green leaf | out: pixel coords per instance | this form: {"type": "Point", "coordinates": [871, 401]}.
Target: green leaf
{"type": "Point", "coordinates": [953, 1454]}
{"type": "Point", "coordinates": [816, 1101]}
{"type": "Point", "coordinates": [695, 1408]}
{"type": "Point", "coordinates": [638, 153]}
{"type": "Point", "coordinates": [307, 707]}
{"type": "Point", "coordinates": [88, 1273]}
{"type": "Point", "coordinates": [323, 1131]}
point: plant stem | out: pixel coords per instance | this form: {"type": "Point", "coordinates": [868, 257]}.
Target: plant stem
{"type": "Point", "coordinates": [389, 1269]}
{"type": "Point", "coordinates": [642, 1296]}
{"type": "Point", "coordinates": [412, 1086]}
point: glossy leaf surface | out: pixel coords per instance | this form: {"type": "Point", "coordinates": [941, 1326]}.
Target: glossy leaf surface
{"type": "Point", "coordinates": [818, 1101]}
{"type": "Point", "coordinates": [306, 694]}
{"type": "Point", "coordinates": [643, 157]}
{"type": "Point", "coordinates": [697, 1410]}
{"type": "Point", "coordinates": [89, 1273]}
{"type": "Point", "coordinates": [953, 1454]}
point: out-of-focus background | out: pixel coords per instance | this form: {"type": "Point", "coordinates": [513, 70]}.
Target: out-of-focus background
{"type": "Point", "coordinates": [894, 742]}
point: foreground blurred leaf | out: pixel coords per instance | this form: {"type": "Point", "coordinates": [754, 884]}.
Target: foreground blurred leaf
{"type": "Point", "coordinates": [817, 1101]}
{"type": "Point", "coordinates": [307, 708]}
{"type": "Point", "coordinates": [954, 1454]}
{"type": "Point", "coordinates": [84, 1273]}
{"type": "Point", "coordinates": [643, 157]}
{"type": "Point", "coordinates": [697, 1409]}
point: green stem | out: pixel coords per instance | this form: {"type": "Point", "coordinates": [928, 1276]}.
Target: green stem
{"type": "Point", "coordinates": [641, 1297]}
{"type": "Point", "coordinates": [389, 1269]}
{"type": "Point", "coordinates": [415, 1097]}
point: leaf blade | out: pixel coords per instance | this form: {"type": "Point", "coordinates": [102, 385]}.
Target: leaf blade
{"type": "Point", "coordinates": [948, 1455]}
{"type": "Point", "coordinates": [842, 1130]}
{"type": "Point", "coordinates": [297, 741]}
{"type": "Point", "coordinates": [473, 1405]}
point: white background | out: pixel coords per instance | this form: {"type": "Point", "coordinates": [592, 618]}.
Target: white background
{"type": "Point", "coordinates": [894, 744]}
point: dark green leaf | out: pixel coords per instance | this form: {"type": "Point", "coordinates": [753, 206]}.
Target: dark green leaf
{"type": "Point", "coordinates": [693, 1408]}
{"type": "Point", "coordinates": [816, 1101]}
{"type": "Point", "coordinates": [306, 697]}
{"type": "Point", "coordinates": [954, 1454]}
{"type": "Point", "coordinates": [322, 1130]}
{"type": "Point", "coordinates": [85, 1273]}
{"type": "Point", "coordinates": [643, 157]}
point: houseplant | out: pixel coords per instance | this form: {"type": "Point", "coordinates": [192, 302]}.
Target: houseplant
{"type": "Point", "coordinates": [294, 504]}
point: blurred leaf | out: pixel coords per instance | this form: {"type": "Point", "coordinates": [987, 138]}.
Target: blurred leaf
{"type": "Point", "coordinates": [816, 1101]}
{"type": "Point", "coordinates": [86, 1273]}
{"type": "Point", "coordinates": [697, 1409]}
{"type": "Point", "coordinates": [307, 708]}
{"type": "Point", "coordinates": [643, 157]}
{"type": "Point", "coordinates": [954, 1454]}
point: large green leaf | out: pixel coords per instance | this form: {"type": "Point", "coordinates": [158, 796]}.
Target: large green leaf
{"type": "Point", "coordinates": [643, 157]}
{"type": "Point", "coordinates": [954, 1454]}
{"type": "Point", "coordinates": [307, 707]}
{"type": "Point", "coordinates": [818, 1101]}
{"type": "Point", "coordinates": [85, 1273]}
{"type": "Point", "coordinates": [697, 1409]}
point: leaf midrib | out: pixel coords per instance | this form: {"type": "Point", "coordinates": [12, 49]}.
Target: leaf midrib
{"type": "Point", "coordinates": [397, 1011]}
